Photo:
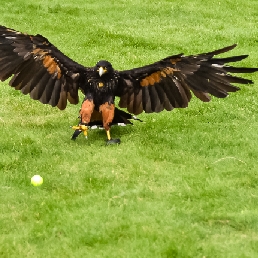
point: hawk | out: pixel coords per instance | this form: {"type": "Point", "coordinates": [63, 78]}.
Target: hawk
{"type": "Point", "coordinates": [38, 68]}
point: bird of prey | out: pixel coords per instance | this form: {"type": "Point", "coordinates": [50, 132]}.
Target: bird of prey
{"type": "Point", "coordinates": [38, 68]}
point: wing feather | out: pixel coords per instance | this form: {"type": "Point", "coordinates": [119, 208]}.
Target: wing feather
{"type": "Point", "coordinates": [46, 94]}
{"type": "Point", "coordinates": [55, 94]}
{"type": "Point", "coordinates": [130, 101]}
{"type": "Point", "coordinates": [25, 74]}
{"type": "Point", "coordinates": [161, 93]}
{"type": "Point", "coordinates": [38, 88]}
{"type": "Point", "coordinates": [146, 100]}
{"type": "Point", "coordinates": [154, 99]}
{"type": "Point", "coordinates": [62, 102]}
{"type": "Point", "coordinates": [137, 104]}
{"type": "Point", "coordinates": [27, 87]}
{"type": "Point", "coordinates": [168, 83]}
{"type": "Point", "coordinates": [38, 68]}
{"type": "Point", "coordinates": [170, 92]}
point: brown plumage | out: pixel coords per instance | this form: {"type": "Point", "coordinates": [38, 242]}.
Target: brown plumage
{"type": "Point", "coordinates": [41, 70]}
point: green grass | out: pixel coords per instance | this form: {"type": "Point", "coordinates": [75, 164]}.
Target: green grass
{"type": "Point", "coordinates": [181, 184]}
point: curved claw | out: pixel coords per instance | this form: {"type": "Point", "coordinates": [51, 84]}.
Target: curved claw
{"type": "Point", "coordinates": [82, 128]}
{"type": "Point", "coordinates": [113, 141]}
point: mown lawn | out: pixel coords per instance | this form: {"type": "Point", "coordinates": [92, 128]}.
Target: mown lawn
{"type": "Point", "coordinates": [181, 184]}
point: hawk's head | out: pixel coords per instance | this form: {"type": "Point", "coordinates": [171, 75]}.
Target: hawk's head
{"type": "Point", "coordinates": [103, 67]}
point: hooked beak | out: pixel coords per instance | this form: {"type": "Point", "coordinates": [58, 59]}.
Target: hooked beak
{"type": "Point", "coordinates": [101, 71]}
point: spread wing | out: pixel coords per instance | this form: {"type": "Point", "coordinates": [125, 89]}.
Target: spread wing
{"type": "Point", "coordinates": [39, 68]}
{"type": "Point", "coordinates": [168, 84]}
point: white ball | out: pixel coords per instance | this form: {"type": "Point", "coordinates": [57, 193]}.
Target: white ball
{"type": "Point", "coordinates": [36, 180]}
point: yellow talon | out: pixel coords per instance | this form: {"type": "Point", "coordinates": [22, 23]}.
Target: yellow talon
{"type": "Point", "coordinates": [82, 128]}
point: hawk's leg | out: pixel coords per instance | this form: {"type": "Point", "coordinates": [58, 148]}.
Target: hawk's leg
{"type": "Point", "coordinates": [85, 114]}
{"type": "Point", "coordinates": [86, 111]}
{"type": "Point", "coordinates": [108, 111]}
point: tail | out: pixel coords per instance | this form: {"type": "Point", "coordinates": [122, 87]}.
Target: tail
{"type": "Point", "coordinates": [121, 117]}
